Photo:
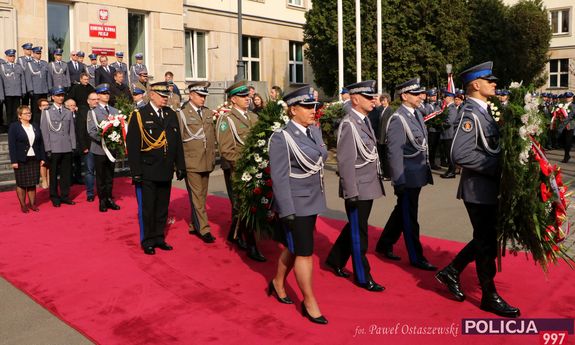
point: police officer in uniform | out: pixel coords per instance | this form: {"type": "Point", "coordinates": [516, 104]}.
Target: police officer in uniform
{"type": "Point", "coordinates": [199, 142]}
{"type": "Point", "coordinates": [103, 163]}
{"type": "Point", "coordinates": [476, 149]}
{"type": "Point", "coordinates": [297, 154]}
{"type": "Point", "coordinates": [232, 129]}
{"type": "Point", "coordinates": [410, 171]}
{"type": "Point", "coordinates": [359, 183]}
{"type": "Point", "coordinates": [434, 133]}
{"type": "Point", "coordinates": [119, 65]}
{"type": "Point", "coordinates": [154, 153]}
{"type": "Point", "coordinates": [58, 74]}
{"type": "Point", "coordinates": [91, 69]}
{"type": "Point", "coordinates": [59, 134]}
{"type": "Point", "coordinates": [23, 61]}
{"type": "Point", "coordinates": [448, 132]}
{"type": "Point", "coordinates": [12, 85]}
{"type": "Point", "coordinates": [141, 82]}
{"type": "Point", "coordinates": [138, 97]}
{"type": "Point", "coordinates": [36, 73]}
{"type": "Point", "coordinates": [137, 68]}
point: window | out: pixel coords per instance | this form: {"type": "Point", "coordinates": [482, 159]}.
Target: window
{"type": "Point", "coordinates": [196, 53]}
{"type": "Point", "coordinates": [560, 21]}
{"type": "Point", "coordinates": [136, 35]}
{"type": "Point", "coordinates": [251, 57]}
{"type": "Point", "coordinates": [559, 73]}
{"type": "Point", "coordinates": [298, 3]}
{"type": "Point", "coordinates": [295, 63]}
{"type": "Point", "coordinates": [58, 29]}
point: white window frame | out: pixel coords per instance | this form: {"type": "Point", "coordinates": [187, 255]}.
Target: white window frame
{"type": "Point", "coordinates": [293, 45]}
{"type": "Point", "coordinates": [249, 59]}
{"type": "Point", "coordinates": [296, 3]}
{"type": "Point", "coordinates": [560, 12]}
{"type": "Point", "coordinates": [559, 73]}
{"type": "Point", "coordinates": [194, 54]}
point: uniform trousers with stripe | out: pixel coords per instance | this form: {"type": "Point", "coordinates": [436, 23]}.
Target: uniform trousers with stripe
{"type": "Point", "coordinates": [12, 103]}
{"type": "Point", "coordinates": [403, 218]}
{"type": "Point", "coordinates": [352, 241]}
{"type": "Point", "coordinates": [153, 201]}
{"type": "Point", "coordinates": [197, 185]}
{"type": "Point", "coordinates": [242, 230]}
{"type": "Point", "coordinates": [483, 247]}
{"type": "Point", "coordinates": [60, 165]}
{"type": "Point", "coordinates": [104, 176]}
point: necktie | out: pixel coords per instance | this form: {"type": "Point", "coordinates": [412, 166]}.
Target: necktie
{"type": "Point", "coordinates": [75, 65]}
{"type": "Point", "coordinates": [60, 111]}
{"type": "Point", "coordinates": [160, 115]}
{"type": "Point", "coordinates": [107, 109]}
{"type": "Point", "coordinates": [200, 114]}
{"type": "Point", "coordinates": [308, 133]}
{"type": "Point", "coordinates": [366, 120]}
{"type": "Point", "coordinates": [489, 111]}
{"type": "Point", "coordinates": [106, 68]}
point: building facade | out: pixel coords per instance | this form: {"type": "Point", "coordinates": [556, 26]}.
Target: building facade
{"type": "Point", "coordinates": [561, 65]}
{"type": "Point", "coordinates": [194, 39]}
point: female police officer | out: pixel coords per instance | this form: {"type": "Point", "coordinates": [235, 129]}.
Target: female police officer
{"type": "Point", "coordinates": [297, 153]}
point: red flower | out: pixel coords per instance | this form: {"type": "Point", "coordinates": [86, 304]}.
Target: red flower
{"type": "Point", "coordinates": [545, 193]}
{"type": "Point", "coordinates": [270, 194]}
{"type": "Point", "coordinates": [253, 209]}
{"type": "Point", "coordinates": [545, 167]}
{"type": "Point", "coordinates": [257, 191]}
{"type": "Point", "coordinates": [269, 182]}
{"type": "Point", "coordinates": [559, 179]}
{"type": "Point", "coordinates": [267, 170]}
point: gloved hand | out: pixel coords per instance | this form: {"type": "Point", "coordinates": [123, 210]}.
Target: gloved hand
{"type": "Point", "coordinates": [289, 221]}
{"type": "Point", "coordinates": [352, 202]}
{"type": "Point", "coordinates": [136, 179]}
{"type": "Point", "coordinates": [180, 174]}
{"type": "Point", "coordinates": [399, 189]}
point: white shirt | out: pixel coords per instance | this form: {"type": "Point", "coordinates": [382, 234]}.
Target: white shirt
{"type": "Point", "coordinates": [31, 137]}
{"type": "Point", "coordinates": [300, 127]}
{"type": "Point", "coordinates": [361, 116]}
{"type": "Point", "coordinates": [157, 110]}
{"type": "Point", "coordinates": [481, 103]}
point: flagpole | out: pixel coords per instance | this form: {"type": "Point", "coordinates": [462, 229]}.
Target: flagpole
{"type": "Point", "coordinates": [379, 50]}
{"type": "Point", "coordinates": [340, 45]}
{"type": "Point", "coordinates": [358, 39]}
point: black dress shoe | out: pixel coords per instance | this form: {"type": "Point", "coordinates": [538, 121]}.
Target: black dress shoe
{"type": "Point", "coordinates": [68, 202]}
{"type": "Point", "coordinates": [112, 205]}
{"type": "Point", "coordinates": [435, 167]}
{"type": "Point", "coordinates": [149, 250]}
{"type": "Point", "coordinates": [254, 254]}
{"type": "Point", "coordinates": [493, 303]}
{"type": "Point", "coordinates": [102, 207]}
{"type": "Point", "coordinates": [566, 159]}
{"type": "Point", "coordinates": [55, 203]}
{"type": "Point", "coordinates": [90, 198]}
{"type": "Point", "coordinates": [339, 271]}
{"type": "Point", "coordinates": [207, 237]}
{"type": "Point", "coordinates": [272, 290]}
{"type": "Point", "coordinates": [242, 245]}
{"type": "Point", "coordinates": [447, 175]}
{"type": "Point", "coordinates": [319, 320]}
{"type": "Point", "coordinates": [388, 253]}
{"type": "Point", "coordinates": [450, 278]}
{"type": "Point", "coordinates": [424, 265]}
{"type": "Point", "coordinates": [164, 246]}
{"type": "Point", "coordinates": [372, 286]}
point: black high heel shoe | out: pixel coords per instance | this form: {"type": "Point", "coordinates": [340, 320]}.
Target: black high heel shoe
{"type": "Point", "coordinates": [320, 319]}
{"type": "Point", "coordinates": [272, 290]}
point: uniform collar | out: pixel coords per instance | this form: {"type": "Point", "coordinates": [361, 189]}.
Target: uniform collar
{"type": "Point", "coordinates": [409, 109]}
{"type": "Point", "coordinates": [298, 126]}
{"type": "Point", "coordinates": [361, 116]}
{"type": "Point", "coordinates": [481, 103]}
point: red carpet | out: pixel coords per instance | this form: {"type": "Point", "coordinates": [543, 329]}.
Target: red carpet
{"type": "Point", "coordinates": [87, 269]}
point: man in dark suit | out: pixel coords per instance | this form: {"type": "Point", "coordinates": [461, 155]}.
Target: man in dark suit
{"type": "Point", "coordinates": [409, 167]}
{"type": "Point", "coordinates": [75, 68]}
{"type": "Point", "coordinates": [477, 150]}
{"type": "Point", "coordinates": [104, 73]}
{"type": "Point", "coordinates": [155, 152]}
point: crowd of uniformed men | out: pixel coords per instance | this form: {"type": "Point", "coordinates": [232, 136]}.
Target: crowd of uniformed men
{"type": "Point", "coordinates": [375, 142]}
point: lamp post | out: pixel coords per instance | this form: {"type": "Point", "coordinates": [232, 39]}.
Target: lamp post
{"type": "Point", "coordinates": [241, 70]}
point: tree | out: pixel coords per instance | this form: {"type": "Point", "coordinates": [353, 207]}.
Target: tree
{"type": "Point", "coordinates": [420, 38]}
{"type": "Point", "coordinates": [530, 33]}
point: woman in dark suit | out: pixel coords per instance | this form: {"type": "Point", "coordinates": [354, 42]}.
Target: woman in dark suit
{"type": "Point", "coordinates": [298, 196]}
{"type": "Point", "coordinates": [26, 155]}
